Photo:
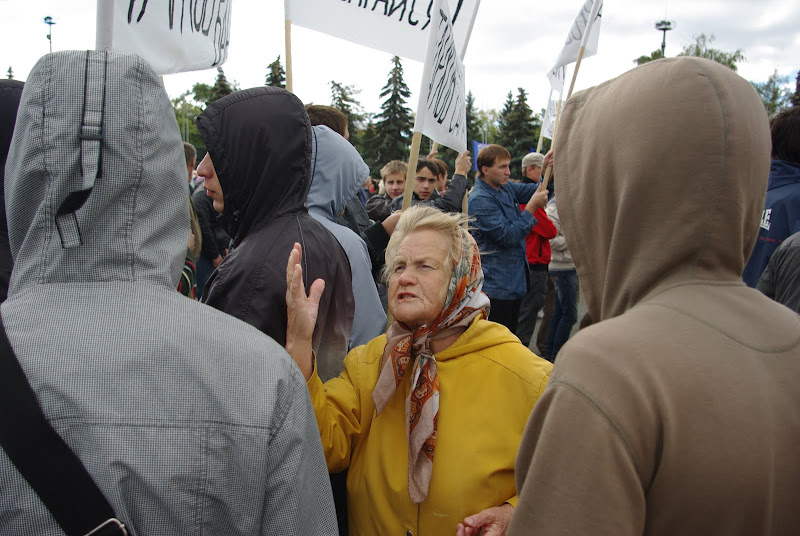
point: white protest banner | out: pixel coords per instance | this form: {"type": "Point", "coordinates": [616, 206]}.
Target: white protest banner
{"type": "Point", "coordinates": [442, 112]}
{"type": "Point", "coordinates": [172, 35]}
{"type": "Point", "coordinates": [557, 77]}
{"type": "Point", "coordinates": [590, 15]}
{"type": "Point", "coordinates": [398, 27]}
{"type": "Point", "coordinates": [549, 121]}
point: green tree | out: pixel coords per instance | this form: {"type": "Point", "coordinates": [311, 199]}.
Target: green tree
{"type": "Point", "coordinates": [394, 123]}
{"type": "Point", "coordinates": [796, 96]}
{"type": "Point", "coordinates": [202, 93]}
{"type": "Point", "coordinates": [276, 76]}
{"type": "Point", "coordinates": [343, 99]}
{"type": "Point", "coordinates": [186, 111]}
{"type": "Point", "coordinates": [488, 125]}
{"type": "Point", "coordinates": [518, 130]}
{"type": "Point", "coordinates": [221, 87]}
{"type": "Point", "coordinates": [504, 118]}
{"type": "Point", "coordinates": [774, 93]}
{"type": "Point", "coordinates": [366, 142]}
{"type": "Point", "coordinates": [10, 73]}
{"type": "Point", "coordinates": [473, 123]}
{"type": "Point", "coordinates": [655, 55]}
{"type": "Point", "coordinates": [702, 48]}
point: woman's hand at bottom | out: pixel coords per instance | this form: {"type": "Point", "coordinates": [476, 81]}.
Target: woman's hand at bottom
{"type": "Point", "coordinates": [301, 312]}
{"type": "Point", "coordinates": [490, 522]}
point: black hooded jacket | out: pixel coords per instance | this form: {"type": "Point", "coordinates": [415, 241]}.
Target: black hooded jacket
{"type": "Point", "coordinates": [10, 94]}
{"type": "Point", "coordinates": [259, 141]}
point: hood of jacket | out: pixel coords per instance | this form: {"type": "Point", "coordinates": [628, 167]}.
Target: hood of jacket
{"type": "Point", "coordinates": [782, 173]}
{"type": "Point", "coordinates": [481, 337]}
{"type": "Point", "coordinates": [337, 172]}
{"type": "Point", "coordinates": [96, 177]}
{"type": "Point", "coordinates": [259, 141]}
{"type": "Point", "coordinates": [662, 174]}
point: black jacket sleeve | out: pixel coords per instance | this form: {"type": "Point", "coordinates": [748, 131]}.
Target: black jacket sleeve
{"type": "Point", "coordinates": [377, 239]}
{"type": "Point", "coordinates": [453, 197]}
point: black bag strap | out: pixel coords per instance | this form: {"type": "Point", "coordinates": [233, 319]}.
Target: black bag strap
{"type": "Point", "coordinates": [54, 472]}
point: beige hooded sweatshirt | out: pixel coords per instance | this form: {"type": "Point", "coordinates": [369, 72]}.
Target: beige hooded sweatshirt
{"type": "Point", "coordinates": [679, 412]}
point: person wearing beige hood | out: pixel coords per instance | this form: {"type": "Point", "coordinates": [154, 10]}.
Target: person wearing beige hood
{"type": "Point", "coordinates": [678, 412]}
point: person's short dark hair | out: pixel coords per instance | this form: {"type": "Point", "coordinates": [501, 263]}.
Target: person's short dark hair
{"type": "Point", "coordinates": [785, 130]}
{"type": "Point", "coordinates": [489, 154]}
{"type": "Point", "coordinates": [189, 152]}
{"type": "Point", "coordinates": [428, 163]}
{"type": "Point", "coordinates": [442, 166]}
{"type": "Point", "coordinates": [329, 116]}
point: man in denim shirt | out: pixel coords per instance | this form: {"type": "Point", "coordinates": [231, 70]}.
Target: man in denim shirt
{"type": "Point", "coordinates": [500, 229]}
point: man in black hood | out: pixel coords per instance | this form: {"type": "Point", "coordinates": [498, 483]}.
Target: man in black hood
{"type": "Point", "coordinates": [258, 172]}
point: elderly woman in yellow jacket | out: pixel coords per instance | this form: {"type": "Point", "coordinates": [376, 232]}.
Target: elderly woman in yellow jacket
{"type": "Point", "coordinates": [427, 417]}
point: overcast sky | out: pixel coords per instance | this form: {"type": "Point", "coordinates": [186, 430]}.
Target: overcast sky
{"type": "Point", "coordinates": [513, 44]}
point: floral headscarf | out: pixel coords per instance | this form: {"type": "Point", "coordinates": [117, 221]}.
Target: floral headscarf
{"type": "Point", "coordinates": [463, 303]}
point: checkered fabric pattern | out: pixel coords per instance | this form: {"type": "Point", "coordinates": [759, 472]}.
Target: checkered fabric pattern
{"type": "Point", "coordinates": [190, 421]}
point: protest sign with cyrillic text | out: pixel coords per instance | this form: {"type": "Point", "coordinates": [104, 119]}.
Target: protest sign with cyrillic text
{"type": "Point", "coordinates": [398, 27]}
{"type": "Point", "coordinates": [442, 112]}
{"type": "Point", "coordinates": [172, 35]}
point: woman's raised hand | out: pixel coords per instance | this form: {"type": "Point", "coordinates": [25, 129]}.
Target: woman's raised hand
{"type": "Point", "coordinates": [301, 312]}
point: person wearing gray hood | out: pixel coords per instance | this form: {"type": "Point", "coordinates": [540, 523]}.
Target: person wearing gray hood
{"type": "Point", "coordinates": [188, 420]}
{"type": "Point", "coordinates": [337, 172]}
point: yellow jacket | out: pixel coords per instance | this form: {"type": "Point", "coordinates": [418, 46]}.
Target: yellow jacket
{"type": "Point", "coordinates": [488, 384]}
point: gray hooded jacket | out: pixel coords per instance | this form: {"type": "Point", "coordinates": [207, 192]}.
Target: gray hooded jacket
{"type": "Point", "coordinates": [189, 421]}
{"type": "Point", "coordinates": [337, 173]}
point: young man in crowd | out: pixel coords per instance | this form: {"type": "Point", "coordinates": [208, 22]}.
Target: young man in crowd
{"type": "Point", "coordinates": [500, 229]}
{"type": "Point", "coordinates": [258, 173]}
{"type": "Point", "coordinates": [678, 411]}
{"type": "Point", "coordinates": [427, 175]}
{"type": "Point", "coordinates": [393, 177]}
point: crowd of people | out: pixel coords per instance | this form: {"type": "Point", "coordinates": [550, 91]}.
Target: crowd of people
{"type": "Point", "coordinates": [271, 347]}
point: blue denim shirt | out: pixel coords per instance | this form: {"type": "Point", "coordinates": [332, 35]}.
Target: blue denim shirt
{"type": "Point", "coordinates": [500, 229]}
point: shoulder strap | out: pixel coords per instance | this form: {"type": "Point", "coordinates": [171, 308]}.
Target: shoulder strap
{"type": "Point", "coordinates": [43, 458]}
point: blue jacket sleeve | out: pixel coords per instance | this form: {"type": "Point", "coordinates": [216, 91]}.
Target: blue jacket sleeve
{"type": "Point", "coordinates": [523, 192]}
{"type": "Point", "coordinates": [495, 227]}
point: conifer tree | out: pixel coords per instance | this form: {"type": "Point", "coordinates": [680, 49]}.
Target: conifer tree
{"type": "Point", "coordinates": [795, 98]}
{"type": "Point", "coordinates": [10, 73]}
{"type": "Point", "coordinates": [394, 123]}
{"type": "Point", "coordinates": [343, 99]}
{"type": "Point", "coordinates": [504, 119]}
{"type": "Point", "coordinates": [366, 143]}
{"type": "Point", "coordinates": [221, 87]}
{"type": "Point", "coordinates": [473, 123]}
{"type": "Point", "coordinates": [276, 76]}
{"type": "Point", "coordinates": [519, 130]}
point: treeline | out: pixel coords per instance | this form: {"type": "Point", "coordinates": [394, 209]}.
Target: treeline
{"type": "Point", "coordinates": [386, 135]}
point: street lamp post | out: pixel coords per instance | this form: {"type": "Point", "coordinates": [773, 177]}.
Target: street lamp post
{"type": "Point", "coordinates": [664, 26]}
{"type": "Point", "coordinates": [49, 21]}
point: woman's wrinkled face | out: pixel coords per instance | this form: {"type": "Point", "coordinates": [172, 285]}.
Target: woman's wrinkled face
{"type": "Point", "coordinates": [419, 278]}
